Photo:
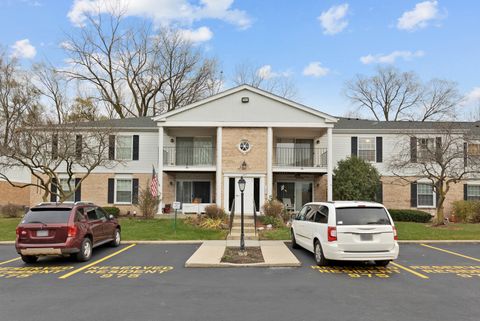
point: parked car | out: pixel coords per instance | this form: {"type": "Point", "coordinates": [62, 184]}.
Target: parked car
{"type": "Point", "coordinates": [65, 229]}
{"type": "Point", "coordinates": [346, 231]}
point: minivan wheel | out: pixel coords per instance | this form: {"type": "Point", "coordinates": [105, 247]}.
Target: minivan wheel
{"type": "Point", "coordinates": [29, 259]}
{"type": "Point", "coordinates": [116, 238]}
{"type": "Point", "coordinates": [382, 263]}
{"type": "Point", "coordinates": [294, 241]}
{"type": "Point", "coordinates": [85, 250]}
{"type": "Point", "coordinates": [318, 252]}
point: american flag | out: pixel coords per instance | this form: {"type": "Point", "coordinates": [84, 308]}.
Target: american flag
{"type": "Point", "coordinates": [154, 184]}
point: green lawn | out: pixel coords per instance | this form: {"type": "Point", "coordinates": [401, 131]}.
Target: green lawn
{"type": "Point", "coordinates": [282, 233]}
{"type": "Point", "coordinates": [138, 229]}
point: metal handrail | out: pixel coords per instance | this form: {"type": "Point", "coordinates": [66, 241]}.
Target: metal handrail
{"type": "Point", "coordinates": [300, 157]}
{"type": "Point", "coordinates": [189, 156]}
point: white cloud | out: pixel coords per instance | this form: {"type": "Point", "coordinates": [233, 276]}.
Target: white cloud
{"type": "Point", "coordinates": [266, 72]}
{"type": "Point", "coordinates": [473, 97]}
{"type": "Point", "coordinates": [420, 16]}
{"type": "Point", "coordinates": [23, 49]}
{"type": "Point", "coordinates": [392, 57]}
{"type": "Point", "coordinates": [315, 69]}
{"type": "Point", "coordinates": [201, 34]}
{"type": "Point", "coordinates": [334, 19]}
{"type": "Point", "coordinates": [163, 12]}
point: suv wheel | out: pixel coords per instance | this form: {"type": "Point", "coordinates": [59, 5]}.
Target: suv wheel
{"type": "Point", "coordinates": [117, 238]}
{"type": "Point", "coordinates": [318, 252]}
{"type": "Point", "coordinates": [29, 258]}
{"type": "Point", "coordinates": [85, 250]}
{"type": "Point", "coordinates": [294, 241]}
{"type": "Point", "coordinates": [382, 263]}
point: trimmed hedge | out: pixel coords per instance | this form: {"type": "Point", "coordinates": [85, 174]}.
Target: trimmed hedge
{"type": "Point", "coordinates": [111, 210]}
{"type": "Point", "coordinates": [410, 216]}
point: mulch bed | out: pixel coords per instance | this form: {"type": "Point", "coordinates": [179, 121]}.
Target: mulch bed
{"type": "Point", "coordinates": [233, 255]}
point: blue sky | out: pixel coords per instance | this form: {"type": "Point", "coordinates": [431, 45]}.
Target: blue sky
{"type": "Point", "coordinates": [436, 39]}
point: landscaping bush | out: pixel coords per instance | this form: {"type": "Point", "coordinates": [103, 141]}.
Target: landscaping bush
{"type": "Point", "coordinates": [273, 208]}
{"type": "Point", "coordinates": [112, 210]}
{"type": "Point", "coordinates": [12, 210]}
{"type": "Point", "coordinates": [467, 211]}
{"type": "Point", "coordinates": [275, 221]}
{"type": "Point", "coordinates": [410, 216]}
{"type": "Point", "coordinates": [215, 212]}
{"type": "Point", "coordinates": [147, 203]}
{"type": "Point", "coordinates": [211, 223]}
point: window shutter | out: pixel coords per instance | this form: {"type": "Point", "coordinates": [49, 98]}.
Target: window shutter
{"type": "Point", "coordinates": [438, 148]}
{"type": "Point", "coordinates": [111, 191]}
{"type": "Point", "coordinates": [379, 149]}
{"type": "Point", "coordinates": [53, 190]}
{"type": "Point", "coordinates": [354, 146]}
{"type": "Point", "coordinates": [135, 147]}
{"type": "Point", "coordinates": [465, 154]}
{"type": "Point", "coordinates": [465, 192]}
{"type": "Point", "coordinates": [111, 147]}
{"type": "Point", "coordinates": [379, 193]}
{"type": "Point", "coordinates": [78, 146]}
{"type": "Point", "coordinates": [78, 191]}
{"type": "Point", "coordinates": [55, 146]}
{"type": "Point", "coordinates": [413, 194]}
{"type": "Point", "coordinates": [135, 191]}
{"type": "Point", "coordinates": [413, 149]}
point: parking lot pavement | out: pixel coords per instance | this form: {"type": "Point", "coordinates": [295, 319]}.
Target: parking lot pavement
{"type": "Point", "coordinates": [149, 282]}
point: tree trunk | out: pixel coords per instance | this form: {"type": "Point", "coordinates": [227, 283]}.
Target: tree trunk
{"type": "Point", "coordinates": [440, 213]}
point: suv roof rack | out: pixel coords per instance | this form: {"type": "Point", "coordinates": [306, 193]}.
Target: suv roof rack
{"type": "Point", "coordinates": [84, 203]}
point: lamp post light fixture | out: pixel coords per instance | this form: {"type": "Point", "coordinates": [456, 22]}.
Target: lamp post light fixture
{"type": "Point", "coordinates": [241, 186]}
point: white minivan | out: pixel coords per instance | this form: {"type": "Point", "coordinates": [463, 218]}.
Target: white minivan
{"type": "Point", "coordinates": [346, 231]}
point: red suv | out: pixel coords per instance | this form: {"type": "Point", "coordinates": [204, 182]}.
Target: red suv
{"type": "Point", "coordinates": [65, 229]}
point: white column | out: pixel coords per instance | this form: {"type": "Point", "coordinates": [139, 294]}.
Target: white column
{"type": "Point", "coordinates": [329, 165]}
{"type": "Point", "coordinates": [219, 172]}
{"type": "Point", "coordinates": [269, 162]}
{"type": "Point", "coordinates": [160, 167]}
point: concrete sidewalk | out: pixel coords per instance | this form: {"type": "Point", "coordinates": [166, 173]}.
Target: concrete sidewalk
{"type": "Point", "coordinates": [275, 254]}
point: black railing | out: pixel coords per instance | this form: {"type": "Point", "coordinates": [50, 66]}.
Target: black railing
{"type": "Point", "coordinates": [300, 157]}
{"type": "Point", "coordinates": [188, 156]}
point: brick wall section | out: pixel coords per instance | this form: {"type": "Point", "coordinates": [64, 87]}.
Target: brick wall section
{"type": "Point", "coordinates": [320, 188]}
{"type": "Point", "coordinates": [14, 195]}
{"type": "Point", "coordinates": [256, 158]}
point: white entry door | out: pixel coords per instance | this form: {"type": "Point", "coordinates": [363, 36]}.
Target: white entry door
{"type": "Point", "coordinates": [247, 196]}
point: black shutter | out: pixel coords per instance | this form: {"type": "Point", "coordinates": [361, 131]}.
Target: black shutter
{"type": "Point", "coordinates": [111, 147]}
{"type": "Point", "coordinates": [78, 191]}
{"type": "Point", "coordinates": [413, 194]}
{"type": "Point", "coordinates": [53, 190]}
{"type": "Point", "coordinates": [135, 147]}
{"type": "Point", "coordinates": [135, 191]}
{"type": "Point", "coordinates": [379, 193]}
{"type": "Point", "coordinates": [379, 149]}
{"type": "Point", "coordinates": [111, 190]}
{"type": "Point", "coordinates": [354, 145]}
{"type": "Point", "coordinates": [465, 192]}
{"type": "Point", "coordinates": [465, 154]}
{"type": "Point", "coordinates": [54, 146]}
{"type": "Point", "coordinates": [78, 146]}
{"type": "Point", "coordinates": [438, 148]}
{"type": "Point", "coordinates": [413, 149]}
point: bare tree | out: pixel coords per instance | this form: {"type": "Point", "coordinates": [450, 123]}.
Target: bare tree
{"type": "Point", "coordinates": [442, 158]}
{"type": "Point", "coordinates": [249, 74]}
{"type": "Point", "coordinates": [53, 152]}
{"type": "Point", "coordinates": [438, 101]}
{"type": "Point", "coordinates": [134, 71]}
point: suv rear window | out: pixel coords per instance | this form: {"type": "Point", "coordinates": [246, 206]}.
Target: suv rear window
{"type": "Point", "coordinates": [47, 215]}
{"type": "Point", "coordinates": [362, 216]}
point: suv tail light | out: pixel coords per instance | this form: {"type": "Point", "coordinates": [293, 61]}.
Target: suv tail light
{"type": "Point", "coordinates": [332, 233]}
{"type": "Point", "coordinates": [72, 231]}
{"type": "Point", "coordinates": [395, 235]}
{"type": "Point", "coordinates": [20, 231]}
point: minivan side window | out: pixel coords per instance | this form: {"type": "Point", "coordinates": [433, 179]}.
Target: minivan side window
{"type": "Point", "coordinates": [301, 215]}
{"type": "Point", "coordinates": [310, 216]}
{"type": "Point", "coordinates": [321, 216]}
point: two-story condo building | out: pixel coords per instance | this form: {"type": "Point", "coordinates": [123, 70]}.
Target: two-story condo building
{"type": "Point", "coordinates": [281, 148]}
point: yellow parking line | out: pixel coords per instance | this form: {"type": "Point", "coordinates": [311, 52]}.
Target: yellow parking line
{"type": "Point", "coordinates": [95, 262]}
{"type": "Point", "coordinates": [451, 252]}
{"type": "Point", "coordinates": [12, 260]}
{"type": "Point", "coordinates": [420, 275]}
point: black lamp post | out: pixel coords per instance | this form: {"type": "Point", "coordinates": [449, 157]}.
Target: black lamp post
{"type": "Point", "coordinates": [241, 186]}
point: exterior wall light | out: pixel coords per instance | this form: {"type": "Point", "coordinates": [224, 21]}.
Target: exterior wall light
{"type": "Point", "coordinates": [245, 100]}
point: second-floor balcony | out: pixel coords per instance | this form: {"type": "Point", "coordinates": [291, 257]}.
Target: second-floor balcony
{"type": "Point", "coordinates": [299, 157]}
{"type": "Point", "coordinates": [189, 157]}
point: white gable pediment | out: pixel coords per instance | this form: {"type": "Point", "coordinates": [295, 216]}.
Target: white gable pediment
{"type": "Point", "coordinates": [262, 108]}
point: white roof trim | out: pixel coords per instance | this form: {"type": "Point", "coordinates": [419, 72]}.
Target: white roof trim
{"type": "Point", "coordinates": [327, 117]}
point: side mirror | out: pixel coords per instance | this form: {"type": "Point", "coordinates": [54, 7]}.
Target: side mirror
{"type": "Point", "coordinates": [111, 217]}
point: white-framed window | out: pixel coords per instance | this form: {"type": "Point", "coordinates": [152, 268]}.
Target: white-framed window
{"type": "Point", "coordinates": [426, 196]}
{"type": "Point", "coordinates": [123, 191]}
{"type": "Point", "coordinates": [65, 188]}
{"type": "Point", "coordinates": [124, 148]}
{"type": "Point", "coordinates": [367, 148]}
{"type": "Point", "coordinates": [426, 148]}
{"type": "Point", "coordinates": [473, 192]}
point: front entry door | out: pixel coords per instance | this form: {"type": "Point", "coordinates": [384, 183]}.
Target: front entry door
{"type": "Point", "coordinates": [247, 196]}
